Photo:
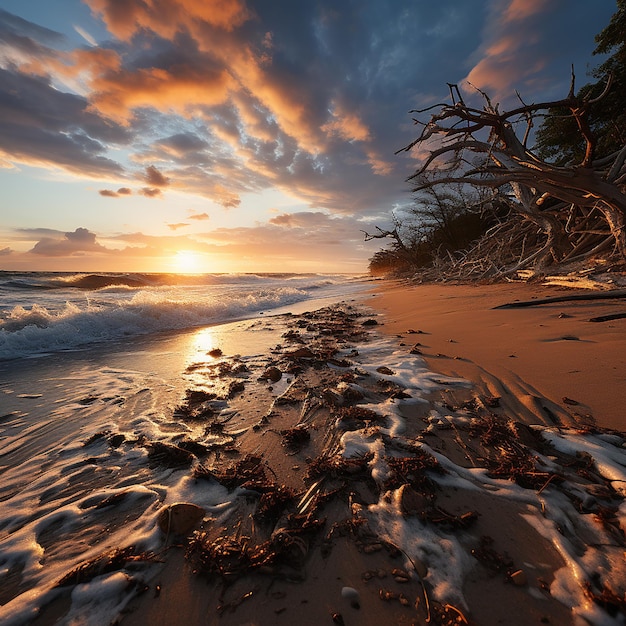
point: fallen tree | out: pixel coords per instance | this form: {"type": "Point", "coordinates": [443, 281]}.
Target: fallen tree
{"type": "Point", "coordinates": [557, 214]}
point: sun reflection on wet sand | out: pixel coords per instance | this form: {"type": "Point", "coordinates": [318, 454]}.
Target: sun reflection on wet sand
{"type": "Point", "coordinates": [204, 341]}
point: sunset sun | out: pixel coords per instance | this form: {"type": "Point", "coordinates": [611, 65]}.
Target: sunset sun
{"type": "Point", "coordinates": [187, 262]}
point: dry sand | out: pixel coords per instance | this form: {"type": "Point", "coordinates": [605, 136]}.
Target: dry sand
{"type": "Point", "coordinates": [533, 357]}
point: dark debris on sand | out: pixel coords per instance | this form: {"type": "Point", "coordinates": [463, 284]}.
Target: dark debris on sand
{"type": "Point", "coordinates": [299, 494]}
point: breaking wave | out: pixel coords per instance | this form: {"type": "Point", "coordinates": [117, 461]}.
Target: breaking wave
{"type": "Point", "coordinates": [67, 312]}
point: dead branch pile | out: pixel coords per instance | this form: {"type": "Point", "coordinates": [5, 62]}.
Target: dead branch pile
{"type": "Point", "coordinates": [557, 214]}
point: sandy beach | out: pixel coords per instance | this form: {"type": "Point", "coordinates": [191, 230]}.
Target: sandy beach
{"type": "Point", "coordinates": [528, 356]}
{"type": "Point", "coordinates": [411, 456]}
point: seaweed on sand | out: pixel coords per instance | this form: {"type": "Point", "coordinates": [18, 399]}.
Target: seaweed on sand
{"type": "Point", "coordinates": [506, 457]}
{"type": "Point", "coordinates": [274, 499]}
{"type": "Point", "coordinates": [230, 558]}
{"type": "Point", "coordinates": [294, 439]}
{"type": "Point", "coordinates": [110, 561]}
{"type": "Point", "coordinates": [338, 466]}
{"type": "Point", "coordinates": [358, 413]}
{"type": "Point", "coordinates": [607, 598]}
{"type": "Point", "coordinates": [412, 470]}
{"type": "Point", "coordinates": [248, 470]}
{"type": "Point", "coordinates": [168, 455]}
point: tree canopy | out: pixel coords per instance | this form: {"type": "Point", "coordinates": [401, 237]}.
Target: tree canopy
{"type": "Point", "coordinates": [557, 137]}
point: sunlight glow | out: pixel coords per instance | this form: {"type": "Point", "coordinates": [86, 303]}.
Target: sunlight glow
{"type": "Point", "coordinates": [187, 262]}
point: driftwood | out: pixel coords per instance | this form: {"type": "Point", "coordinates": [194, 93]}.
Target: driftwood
{"type": "Point", "coordinates": [557, 214]}
{"type": "Point", "coordinates": [608, 318]}
{"type": "Point", "coordinates": [602, 295]}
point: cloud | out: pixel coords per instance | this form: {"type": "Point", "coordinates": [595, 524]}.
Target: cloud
{"type": "Point", "coordinates": [179, 78]}
{"type": "Point", "coordinates": [199, 216]}
{"type": "Point", "coordinates": [5, 251]}
{"type": "Point", "coordinates": [150, 192]}
{"type": "Point", "coordinates": [109, 193]}
{"type": "Point", "coordinates": [124, 19]}
{"type": "Point", "coordinates": [530, 45]}
{"type": "Point", "coordinates": [155, 178]}
{"type": "Point", "coordinates": [177, 226]}
{"type": "Point", "coordinates": [85, 35]}
{"type": "Point", "coordinates": [346, 125]}
{"type": "Point", "coordinates": [43, 126]}
{"type": "Point", "coordinates": [290, 232]}
{"type": "Point", "coordinates": [70, 244]}
{"type": "Point", "coordinates": [223, 99]}
{"type": "Point", "coordinates": [523, 9]}
{"type": "Point", "coordinates": [182, 145]}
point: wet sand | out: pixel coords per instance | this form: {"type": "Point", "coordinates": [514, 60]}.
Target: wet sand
{"type": "Point", "coordinates": [371, 480]}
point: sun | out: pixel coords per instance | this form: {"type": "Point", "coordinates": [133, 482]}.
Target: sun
{"type": "Point", "coordinates": [187, 262]}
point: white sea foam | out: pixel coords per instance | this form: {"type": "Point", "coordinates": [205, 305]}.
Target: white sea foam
{"type": "Point", "coordinates": [54, 491]}
{"type": "Point", "coordinates": [550, 512]}
{"type": "Point", "coordinates": [38, 321]}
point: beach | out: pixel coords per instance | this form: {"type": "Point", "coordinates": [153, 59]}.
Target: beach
{"type": "Point", "coordinates": [542, 353]}
{"type": "Point", "coordinates": [408, 455]}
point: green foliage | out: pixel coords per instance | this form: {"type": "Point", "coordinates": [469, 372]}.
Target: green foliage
{"type": "Point", "coordinates": [558, 138]}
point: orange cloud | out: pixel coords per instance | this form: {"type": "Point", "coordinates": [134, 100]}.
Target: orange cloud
{"type": "Point", "coordinates": [150, 192]}
{"type": "Point", "coordinates": [227, 198]}
{"type": "Point", "coordinates": [255, 123]}
{"type": "Point", "coordinates": [508, 55]}
{"type": "Point", "coordinates": [522, 9]}
{"type": "Point", "coordinates": [199, 216]}
{"type": "Point", "coordinates": [378, 165]}
{"type": "Point", "coordinates": [186, 87]}
{"type": "Point", "coordinates": [155, 178]}
{"type": "Point", "coordinates": [165, 17]}
{"type": "Point", "coordinates": [346, 125]}
{"type": "Point", "coordinates": [180, 89]}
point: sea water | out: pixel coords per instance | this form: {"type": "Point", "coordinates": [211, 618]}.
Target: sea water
{"type": "Point", "coordinates": [47, 312]}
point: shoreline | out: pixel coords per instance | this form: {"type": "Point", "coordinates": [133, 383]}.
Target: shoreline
{"type": "Point", "coordinates": [340, 475]}
{"type": "Point", "coordinates": [548, 354]}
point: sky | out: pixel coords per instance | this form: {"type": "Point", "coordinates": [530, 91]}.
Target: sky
{"type": "Point", "coordinates": [244, 135]}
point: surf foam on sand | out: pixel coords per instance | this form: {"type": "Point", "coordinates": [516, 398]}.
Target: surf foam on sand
{"type": "Point", "coordinates": [92, 456]}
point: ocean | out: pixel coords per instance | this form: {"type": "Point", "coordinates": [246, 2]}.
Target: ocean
{"type": "Point", "coordinates": [48, 312]}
